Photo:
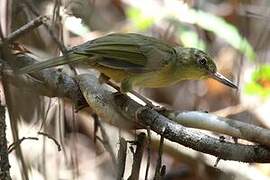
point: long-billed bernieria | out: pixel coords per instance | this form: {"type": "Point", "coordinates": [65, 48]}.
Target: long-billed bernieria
{"type": "Point", "coordinates": [138, 60]}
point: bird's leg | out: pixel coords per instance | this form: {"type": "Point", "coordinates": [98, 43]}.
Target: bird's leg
{"type": "Point", "coordinates": [103, 78]}
{"type": "Point", "coordinates": [126, 86]}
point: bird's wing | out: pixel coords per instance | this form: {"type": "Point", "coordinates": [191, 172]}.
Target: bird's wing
{"type": "Point", "coordinates": [131, 52]}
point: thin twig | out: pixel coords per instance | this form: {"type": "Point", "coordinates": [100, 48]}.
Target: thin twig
{"type": "Point", "coordinates": [105, 138]}
{"type": "Point", "coordinates": [99, 139]}
{"type": "Point", "coordinates": [15, 144]}
{"type": "Point", "coordinates": [12, 111]}
{"type": "Point", "coordinates": [52, 138]}
{"type": "Point", "coordinates": [60, 45]}
{"type": "Point", "coordinates": [148, 151]}
{"type": "Point", "coordinates": [121, 159]}
{"type": "Point", "coordinates": [30, 26]}
{"type": "Point", "coordinates": [159, 161]}
{"type": "Point", "coordinates": [135, 171]}
{"type": "Point", "coordinates": [95, 128]}
{"type": "Point", "coordinates": [34, 10]}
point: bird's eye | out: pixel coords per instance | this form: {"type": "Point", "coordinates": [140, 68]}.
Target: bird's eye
{"type": "Point", "coordinates": [202, 61]}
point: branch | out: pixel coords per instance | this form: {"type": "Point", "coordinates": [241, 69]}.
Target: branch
{"type": "Point", "coordinates": [35, 11]}
{"type": "Point", "coordinates": [54, 37]}
{"type": "Point", "coordinates": [121, 158]}
{"type": "Point", "coordinates": [4, 162]}
{"type": "Point", "coordinates": [112, 108]}
{"type": "Point", "coordinates": [101, 99]}
{"type": "Point", "coordinates": [157, 175]}
{"type": "Point", "coordinates": [52, 138]}
{"type": "Point", "coordinates": [105, 140]}
{"type": "Point", "coordinates": [223, 125]}
{"type": "Point", "coordinates": [137, 159]}
{"type": "Point", "coordinates": [148, 152]}
{"type": "Point", "coordinates": [15, 144]}
{"type": "Point", "coordinates": [25, 29]}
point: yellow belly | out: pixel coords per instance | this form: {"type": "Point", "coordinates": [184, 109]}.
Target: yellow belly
{"type": "Point", "coordinates": [154, 79]}
{"type": "Point", "coordinates": [114, 74]}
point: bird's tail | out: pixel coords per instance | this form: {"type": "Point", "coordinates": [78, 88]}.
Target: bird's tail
{"type": "Point", "coordinates": [67, 59]}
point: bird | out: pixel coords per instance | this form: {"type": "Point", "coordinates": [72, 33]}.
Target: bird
{"type": "Point", "coordinates": [136, 60]}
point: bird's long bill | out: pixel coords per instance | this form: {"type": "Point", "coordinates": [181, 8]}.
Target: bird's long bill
{"type": "Point", "coordinates": [219, 77]}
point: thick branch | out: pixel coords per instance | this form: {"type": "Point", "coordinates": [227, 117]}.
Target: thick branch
{"type": "Point", "coordinates": [202, 142]}
{"type": "Point", "coordinates": [223, 125]}
{"type": "Point", "coordinates": [100, 98]}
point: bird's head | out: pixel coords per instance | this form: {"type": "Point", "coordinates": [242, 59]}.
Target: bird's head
{"type": "Point", "coordinates": [199, 65]}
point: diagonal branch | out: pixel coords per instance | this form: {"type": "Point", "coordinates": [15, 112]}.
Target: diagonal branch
{"type": "Point", "coordinates": [100, 98]}
{"type": "Point", "coordinates": [25, 29]}
{"type": "Point", "coordinates": [121, 111]}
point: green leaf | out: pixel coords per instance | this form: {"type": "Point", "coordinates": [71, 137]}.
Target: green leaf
{"type": "Point", "coordinates": [140, 21]}
{"type": "Point", "coordinates": [191, 39]}
{"type": "Point", "coordinates": [260, 83]}
{"type": "Point", "coordinates": [262, 73]}
{"type": "Point", "coordinates": [225, 30]}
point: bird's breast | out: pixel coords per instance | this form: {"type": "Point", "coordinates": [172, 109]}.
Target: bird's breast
{"type": "Point", "coordinates": [158, 78]}
{"type": "Point", "coordinates": [155, 79]}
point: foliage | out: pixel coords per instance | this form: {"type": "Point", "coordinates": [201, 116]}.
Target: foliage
{"type": "Point", "coordinates": [144, 20]}
{"type": "Point", "coordinates": [260, 83]}
{"type": "Point", "coordinates": [139, 20]}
